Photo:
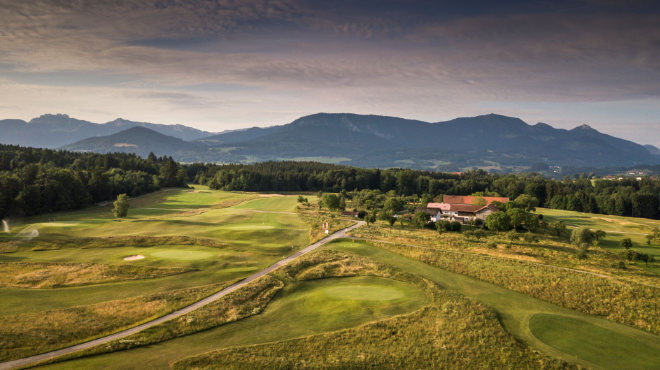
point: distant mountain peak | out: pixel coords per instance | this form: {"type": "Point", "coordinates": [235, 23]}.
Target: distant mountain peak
{"type": "Point", "coordinates": [585, 127]}
{"type": "Point", "coordinates": [543, 125]}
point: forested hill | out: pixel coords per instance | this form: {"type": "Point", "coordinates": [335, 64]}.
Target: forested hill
{"type": "Point", "coordinates": [626, 197]}
{"type": "Point", "coordinates": [34, 181]}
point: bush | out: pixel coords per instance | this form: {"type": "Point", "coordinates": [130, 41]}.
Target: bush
{"type": "Point", "coordinates": [513, 236]}
{"type": "Point", "coordinates": [582, 235]}
{"type": "Point", "coordinates": [121, 206]}
{"type": "Point", "coordinates": [626, 243]}
{"type": "Point", "coordinates": [491, 245]}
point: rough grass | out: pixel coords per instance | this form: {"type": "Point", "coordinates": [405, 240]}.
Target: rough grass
{"type": "Point", "coordinates": [548, 250]}
{"type": "Point", "coordinates": [55, 275]}
{"type": "Point", "coordinates": [513, 309]}
{"type": "Point", "coordinates": [315, 218]}
{"type": "Point", "coordinates": [28, 334]}
{"type": "Point", "coordinates": [627, 303]}
{"type": "Point", "coordinates": [300, 307]}
{"type": "Point", "coordinates": [453, 332]}
{"type": "Point", "coordinates": [618, 300]}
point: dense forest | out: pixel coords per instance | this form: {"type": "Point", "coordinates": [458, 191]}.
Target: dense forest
{"type": "Point", "coordinates": [626, 197]}
{"type": "Point", "coordinates": [34, 181]}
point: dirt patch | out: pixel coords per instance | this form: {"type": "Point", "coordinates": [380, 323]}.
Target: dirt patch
{"type": "Point", "coordinates": [134, 257]}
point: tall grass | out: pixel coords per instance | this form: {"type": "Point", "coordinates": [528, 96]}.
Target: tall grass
{"type": "Point", "coordinates": [626, 303]}
{"type": "Point", "coordinates": [32, 333]}
{"type": "Point", "coordinates": [54, 275]}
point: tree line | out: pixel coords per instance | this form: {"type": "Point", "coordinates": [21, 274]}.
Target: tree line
{"type": "Point", "coordinates": [626, 197]}
{"type": "Point", "coordinates": [35, 181]}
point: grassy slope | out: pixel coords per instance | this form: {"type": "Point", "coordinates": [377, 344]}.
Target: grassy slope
{"type": "Point", "coordinates": [303, 308]}
{"type": "Point", "coordinates": [617, 228]}
{"type": "Point", "coordinates": [515, 310]}
{"type": "Point", "coordinates": [249, 241]}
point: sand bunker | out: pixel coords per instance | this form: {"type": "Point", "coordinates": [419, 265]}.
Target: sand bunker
{"type": "Point", "coordinates": [270, 195]}
{"type": "Point", "coordinates": [134, 257]}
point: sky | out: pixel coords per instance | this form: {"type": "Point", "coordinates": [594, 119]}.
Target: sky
{"type": "Point", "coordinates": [227, 64]}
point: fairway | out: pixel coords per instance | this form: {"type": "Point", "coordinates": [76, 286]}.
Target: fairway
{"type": "Point", "coordinates": [302, 308]}
{"type": "Point", "coordinates": [593, 343]}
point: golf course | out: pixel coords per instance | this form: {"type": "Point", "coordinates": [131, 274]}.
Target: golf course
{"type": "Point", "coordinates": [88, 275]}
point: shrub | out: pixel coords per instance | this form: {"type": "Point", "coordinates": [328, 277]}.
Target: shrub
{"type": "Point", "coordinates": [120, 209]}
{"type": "Point", "coordinates": [582, 235]}
{"type": "Point", "coordinates": [626, 243]}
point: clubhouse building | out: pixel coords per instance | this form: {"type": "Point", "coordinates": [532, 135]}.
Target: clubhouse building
{"type": "Point", "coordinates": [463, 208]}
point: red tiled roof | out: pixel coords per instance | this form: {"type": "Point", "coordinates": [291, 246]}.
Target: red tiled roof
{"type": "Point", "coordinates": [465, 208]}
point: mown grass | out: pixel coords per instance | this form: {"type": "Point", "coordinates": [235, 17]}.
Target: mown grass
{"type": "Point", "coordinates": [594, 342]}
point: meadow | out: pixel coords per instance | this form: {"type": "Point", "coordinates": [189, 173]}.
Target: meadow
{"type": "Point", "coordinates": [617, 228]}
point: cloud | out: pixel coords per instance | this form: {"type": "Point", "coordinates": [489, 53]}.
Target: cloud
{"type": "Point", "coordinates": [430, 60]}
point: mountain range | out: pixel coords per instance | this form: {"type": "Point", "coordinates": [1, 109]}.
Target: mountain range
{"type": "Point", "coordinates": [493, 142]}
{"type": "Point", "coordinates": [56, 130]}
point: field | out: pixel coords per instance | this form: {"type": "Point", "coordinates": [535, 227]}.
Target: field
{"type": "Point", "coordinates": [617, 228]}
{"type": "Point", "coordinates": [395, 296]}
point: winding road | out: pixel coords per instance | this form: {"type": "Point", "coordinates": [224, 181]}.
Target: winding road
{"type": "Point", "coordinates": [173, 315]}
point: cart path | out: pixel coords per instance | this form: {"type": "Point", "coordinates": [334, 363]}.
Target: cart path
{"type": "Point", "coordinates": [173, 315]}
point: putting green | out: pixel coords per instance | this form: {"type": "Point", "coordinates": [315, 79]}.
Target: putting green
{"type": "Point", "coordinates": [593, 343]}
{"type": "Point", "coordinates": [365, 292]}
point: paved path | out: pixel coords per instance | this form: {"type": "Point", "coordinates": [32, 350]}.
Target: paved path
{"type": "Point", "coordinates": [212, 298]}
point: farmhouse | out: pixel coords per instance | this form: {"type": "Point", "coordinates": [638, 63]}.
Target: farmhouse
{"type": "Point", "coordinates": [463, 208]}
